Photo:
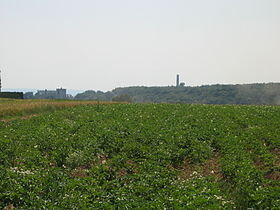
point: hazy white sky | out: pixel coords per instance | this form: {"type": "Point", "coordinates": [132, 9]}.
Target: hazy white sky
{"type": "Point", "coordinates": [103, 44]}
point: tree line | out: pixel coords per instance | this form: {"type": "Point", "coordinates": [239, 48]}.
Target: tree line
{"type": "Point", "coordinates": [259, 94]}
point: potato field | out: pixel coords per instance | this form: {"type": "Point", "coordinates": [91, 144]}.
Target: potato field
{"type": "Point", "coordinates": [142, 156]}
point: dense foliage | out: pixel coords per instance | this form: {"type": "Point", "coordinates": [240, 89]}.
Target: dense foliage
{"type": "Point", "coordinates": [210, 94]}
{"type": "Point", "coordinates": [143, 156]}
{"type": "Point", "coordinates": [14, 95]}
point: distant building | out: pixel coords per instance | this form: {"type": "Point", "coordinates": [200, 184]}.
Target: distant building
{"type": "Point", "coordinates": [61, 93]}
{"type": "Point", "coordinates": [182, 84]}
{"type": "Point", "coordinates": [51, 94]}
{"type": "Point", "coordinates": [178, 83]}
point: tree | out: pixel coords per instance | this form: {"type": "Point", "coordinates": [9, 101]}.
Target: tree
{"type": "Point", "coordinates": [122, 98]}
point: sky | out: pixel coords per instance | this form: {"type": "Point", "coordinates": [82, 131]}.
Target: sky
{"type": "Point", "coordinates": [104, 44]}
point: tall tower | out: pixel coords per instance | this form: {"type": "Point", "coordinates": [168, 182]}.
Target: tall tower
{"type": "Point", "coordinates": [177, 80]}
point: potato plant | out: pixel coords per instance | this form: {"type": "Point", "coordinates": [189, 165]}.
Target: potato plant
{"type": "Point", "coordinates": [143, 156]}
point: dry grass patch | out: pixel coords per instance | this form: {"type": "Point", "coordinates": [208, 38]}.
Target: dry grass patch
{"type": "Point", "coordinates": [12, 107]}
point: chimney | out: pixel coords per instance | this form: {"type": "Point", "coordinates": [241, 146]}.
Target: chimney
{"type": "Point", "coordinates": [177, 80]}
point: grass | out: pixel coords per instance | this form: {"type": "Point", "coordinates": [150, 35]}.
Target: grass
{"type": "Point", "coordinates": [10, 108]}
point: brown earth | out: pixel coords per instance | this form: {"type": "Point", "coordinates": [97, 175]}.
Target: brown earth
{"type": "Point", "coordinates": [210, 168]}
{"type": "Point", "coordinates": [276, 153]}
{"type": "Point", "coordinates": [274, 175]}
{"type": "Point", "coordinates": [132, 168]}
{"type": "Point", "coordinates": [79, 172]}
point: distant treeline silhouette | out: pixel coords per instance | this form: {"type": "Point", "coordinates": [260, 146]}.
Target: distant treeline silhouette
{"type": "Point", "coordinates": [12, 95]}
{"type": "Point", "coordinates": [259, 94]}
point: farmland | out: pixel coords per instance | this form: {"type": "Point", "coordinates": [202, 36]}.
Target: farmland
{"type": "Point", "coordinates": [143, 156]}
{"type": "Point", "coordinates": [11, 107]}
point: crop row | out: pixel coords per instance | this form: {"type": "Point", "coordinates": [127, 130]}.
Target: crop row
{"type": "Point", "coordinates": [133, 155]}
